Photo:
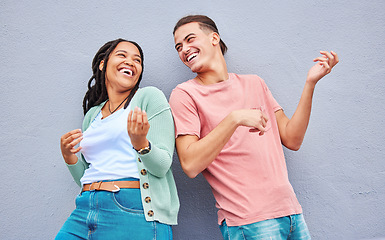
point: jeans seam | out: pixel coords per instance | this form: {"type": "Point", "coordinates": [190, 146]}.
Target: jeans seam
{"type": "Point", "coordinates": [228, 232]}
{"type": "Point", "coordinates": [243, 234]}
{"type": "Point", "coordinates": [90, 220]}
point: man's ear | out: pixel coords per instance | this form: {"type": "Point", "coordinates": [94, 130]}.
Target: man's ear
{"type": "Point", "coordinates": [101, 65]}
{"type": "Point", "coordinates": [215, 38]}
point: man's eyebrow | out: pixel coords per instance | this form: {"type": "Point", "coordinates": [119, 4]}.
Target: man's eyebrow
{"type": "Point", "coordinates": [188, 35]}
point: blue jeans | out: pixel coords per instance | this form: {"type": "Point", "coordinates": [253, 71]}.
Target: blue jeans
{"type": "Point", "coordinates": [291, 227]}
{"type": "Point", "coordinates": [107, 215]}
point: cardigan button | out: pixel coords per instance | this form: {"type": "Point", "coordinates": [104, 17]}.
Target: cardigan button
{"type": "Point", "coordinates": [139, 160]}
{"type": "Point", "coordinates": [147, 199]}
{"type": "Point", "coordinates": [150, 213]}
{"type": "Point", "coordinates": [146, 185]}
{"type": "Point", "coordinates": [143, 172]}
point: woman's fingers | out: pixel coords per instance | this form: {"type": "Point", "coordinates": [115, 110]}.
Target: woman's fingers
{"type": "Point", "coordinates": [75, 142]}
{"type": "Point", "coordinates": [146, 124]}
{"type": "Point", "coordinates": [67, 143]}
{"type": "Point", "coordinates": [72, 138]}
{"type": "Point", "coordinates": [71, 135]}
{"type": "Point", "coordinates": [74, 151]}
{"type": "Point", "coordinates": [138, 122]}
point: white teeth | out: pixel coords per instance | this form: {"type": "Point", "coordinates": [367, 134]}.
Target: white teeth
{"type": "Point", "coordinates": [126, 71]}
{"type": "Point", "coordinates": [191, 56]}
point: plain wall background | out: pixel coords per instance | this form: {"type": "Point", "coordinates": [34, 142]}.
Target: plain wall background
{"type": "Point", "coordinates": [339, 173]}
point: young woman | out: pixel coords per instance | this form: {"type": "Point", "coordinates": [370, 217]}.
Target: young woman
{"type": "Point", "coordinates": [126, 145]}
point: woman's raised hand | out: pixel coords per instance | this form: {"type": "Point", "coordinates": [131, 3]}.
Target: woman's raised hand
{"type": "Point", "coordinates": [67, 145]}
{"type": "Point", "coordinates": [137, 128]}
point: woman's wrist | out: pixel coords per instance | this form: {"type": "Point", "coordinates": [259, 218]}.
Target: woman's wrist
{"type": "Point", "coordinates": [140, 145]}
{"type": "Point", "coordinates": [144, 150]}
{"type": "Point", "coordinates": [71, 160]}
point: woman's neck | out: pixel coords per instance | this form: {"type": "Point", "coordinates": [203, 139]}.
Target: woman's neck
{"type": "Point", "coordinates": [115, 102]}
{"type": "Point", "coordinates": [116, 99]}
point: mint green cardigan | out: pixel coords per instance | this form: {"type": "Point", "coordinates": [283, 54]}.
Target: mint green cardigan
{"type": "Point", "coordinates": [157, 163]}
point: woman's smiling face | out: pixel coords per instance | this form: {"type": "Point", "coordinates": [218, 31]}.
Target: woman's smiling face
{"type": "Point", "coordinates": [124, 67]}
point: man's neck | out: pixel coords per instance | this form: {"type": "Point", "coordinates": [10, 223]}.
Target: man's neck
{"type": "Point", "coordinates": [216, 73]}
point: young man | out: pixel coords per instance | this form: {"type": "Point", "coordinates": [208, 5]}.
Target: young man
{"type": "Point", "coordinates": [230, 128]}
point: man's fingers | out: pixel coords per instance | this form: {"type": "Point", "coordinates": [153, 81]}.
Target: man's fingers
{"type": "Point", "coordinates": [263, 122]}
{"type": "Point", "coordinates": [327, 55]}
{"type": "Point", "coordinates": [264, 116]}
{"type": "Point", "coordinates": [331, 56]}
{"type": "Point", "coordinates": [326, 66]}
{"type": "Point", "coordinates": [320, 59]}
{"type": "Point", "coordinates": [336, 59]}
{"type": "Point", "coordinates": [256, 130]}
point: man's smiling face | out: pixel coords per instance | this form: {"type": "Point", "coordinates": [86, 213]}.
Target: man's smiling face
{"type": "Point", "coordinates": [194, 46]}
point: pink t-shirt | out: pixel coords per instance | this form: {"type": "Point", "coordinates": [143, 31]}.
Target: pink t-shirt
{"type": "Point", "coordinates": [249, 177]}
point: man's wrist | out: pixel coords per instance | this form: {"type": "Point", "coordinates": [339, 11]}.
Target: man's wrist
{"type": "Point", "coordinates": [234, 119]}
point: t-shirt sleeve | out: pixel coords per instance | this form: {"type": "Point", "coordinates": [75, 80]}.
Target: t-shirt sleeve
{"type": "Point", "coordinates": [269, 97]}
{"type": "Point", "coordinates": [185, 113]}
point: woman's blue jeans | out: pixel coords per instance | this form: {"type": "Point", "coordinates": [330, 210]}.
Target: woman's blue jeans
{"type": "Point", "coordinates": [106, 215]}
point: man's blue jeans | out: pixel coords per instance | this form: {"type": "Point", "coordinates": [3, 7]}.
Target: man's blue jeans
{"type": "Point", "coordinates": [107, 215]}
{"type": "Point", "coordinates": [291, 227]}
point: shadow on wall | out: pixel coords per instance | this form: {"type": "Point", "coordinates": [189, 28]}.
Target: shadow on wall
{"type": "Point", "coordinates": [198, 215]}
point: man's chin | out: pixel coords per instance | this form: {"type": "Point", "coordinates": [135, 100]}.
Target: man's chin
{"type": "Point", "coordinates": [196, 69]}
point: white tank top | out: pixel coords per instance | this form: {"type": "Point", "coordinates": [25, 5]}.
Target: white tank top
{"type": "Point", "coordinates": [107, 147]}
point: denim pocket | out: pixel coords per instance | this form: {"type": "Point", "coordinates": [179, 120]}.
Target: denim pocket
{"type": "Point", "coordinates": [82, 201]}
{"type": "Point", "coordinates": [128, 200]}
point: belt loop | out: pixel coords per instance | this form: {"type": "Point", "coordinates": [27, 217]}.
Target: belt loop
{"type": "Point", "coordinates": [95, 185]}
{"type": "Point", "coordinates": [91, 188]}
{"type": "Point", "coordinates": [99, 185]}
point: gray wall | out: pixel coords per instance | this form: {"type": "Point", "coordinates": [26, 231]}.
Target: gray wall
{"type": "Point", "coordinates": [45, 62]}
